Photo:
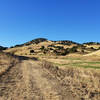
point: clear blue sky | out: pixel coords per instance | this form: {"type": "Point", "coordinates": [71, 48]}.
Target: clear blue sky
{"type": "Point", "coordinates": [24, 20]}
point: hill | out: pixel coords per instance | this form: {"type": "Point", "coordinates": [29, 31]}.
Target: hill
{"type": "Point", "coordinates": [96, 53]}
{"type": "Point", "coordinates": [42, 46]}
{"type": "Point", "coordinates": [3, 48]}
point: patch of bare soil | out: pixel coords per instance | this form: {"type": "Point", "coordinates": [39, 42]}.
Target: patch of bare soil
{"type": "Point", "coordinates": [41, 84]}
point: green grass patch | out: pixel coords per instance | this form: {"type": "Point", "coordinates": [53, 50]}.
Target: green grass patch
{"type": "Point", "coordinates": [70, 58]}
{"type": "Point", "coordinates": [89, 66]}
{"type": "Point", "coordinates": [79, 64]}
{"type": "Point", "coordinates": [93, 62]}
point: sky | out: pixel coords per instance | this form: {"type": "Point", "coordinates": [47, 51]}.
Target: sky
{"type": "Point", "coordinates": [25, 20]}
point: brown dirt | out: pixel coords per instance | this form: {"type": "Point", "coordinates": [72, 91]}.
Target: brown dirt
{"type": "Point", "coordinates": [30, 81]}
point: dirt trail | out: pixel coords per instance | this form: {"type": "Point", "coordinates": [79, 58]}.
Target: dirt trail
{"type": "Point", "coordinates": [47, 85]}
{"type": "Point", "coordinates": [29, 81]}
{"type": "Point", "coordinates": [42, 83]}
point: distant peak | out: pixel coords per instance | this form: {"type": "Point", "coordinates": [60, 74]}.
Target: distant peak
{"type": "Point", "coordinates": [40, 39]}
{"type": "Point", "coordinates": [36, 41]}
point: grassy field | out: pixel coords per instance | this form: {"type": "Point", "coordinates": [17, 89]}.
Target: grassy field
{"type": "Point", "coordinates": [80, 73]}
{"type": "Point", "coordinates": [75, 74]}
{"type": "Point", "coordinates": [82, 82]}
{"type": "Point", "coordinates": [76, 61]}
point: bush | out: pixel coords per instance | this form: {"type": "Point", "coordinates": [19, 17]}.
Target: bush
{"type": "Point", "coordinates": [59, 47]}
{"type": "Point", "coordinates": [62, 52]}
{"type": "Point", "coordinates": [82, 51]}
{"type": "Point", "coordinates": [42, 48]}
{"type": "Point", "coordinates": [31, 51]}
{"type": "Point", "coordinates": [3, 48]}
{"type": "Point", "coordinates": [50, 48]}
{"type": "Point", "coordinates": [73, 49]}
{"type": "Point", "coordinates": [92, 48]}
{"type": "Point", "coordinates": [99, 48]}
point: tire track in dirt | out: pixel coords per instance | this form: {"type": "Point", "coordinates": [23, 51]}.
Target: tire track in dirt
{"type": "Point", "coordinates": [29, 81]}
{"type": "Point", "coordinates": [34, 71]}
{"type": "Point", "coordinates": [33, 92]}
{"type": "Point", "coordinates": [48, 86]}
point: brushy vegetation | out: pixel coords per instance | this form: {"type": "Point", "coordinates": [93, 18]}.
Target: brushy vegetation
{"type": "Point", "coordinates": [36, 41]}
{"type": "Point", "coordinates": [82, 83]}
{"type": "Point", "coordinates": [66, 42]}
{"type": "Point", "coordinates": [6, 61]}
{"type": "Point", "coordinates": [2, 48]}
{"type": "Point", "coordinates": [92, 43]}
{"type": "Point", "coordinates": [31, 51]}
{"type": "Point", "coordinates": [57, 48]}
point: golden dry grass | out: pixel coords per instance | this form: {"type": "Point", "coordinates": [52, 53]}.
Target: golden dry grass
{"type": "Point", "coordinates": [83, 83]}
{"type": "Point", "coordinates": [74, 61]}
{"type": "Point", "coordinates": [6, 61]}
{"type": "Point", "coordinates": [94, 46]}
{"type": "Point", "coordinates": [25, 50]}
{"type": "Point", "coordinates": [96, 53]}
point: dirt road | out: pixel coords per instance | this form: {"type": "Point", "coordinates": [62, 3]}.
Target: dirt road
{"type": "Point", "coordinates": [29, 81]}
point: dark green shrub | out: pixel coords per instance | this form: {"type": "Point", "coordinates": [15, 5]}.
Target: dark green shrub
{"type": "Point", "coordinates": [59, 47]}
{"type": "Point", "coordinates": [92, 48]}
{"type": "Point", "coordinates": [42, 48]}
{"type": "Point", "coordinates": [82, 51]}
{"type": "Point", "coordinates": [50, 48]}
{"type": "Point", "coordinates": [3, 48]}
{"type": "Point", "coordinates": [45, 51]}
{"type": "Point", "coordinates": [64, 52]}
{"type": "Point", "coordinates": [99, 48]}
{"type": "Point", "coordinates": [73, 49]}
{"type": "Point", "coordinates": [31, 51]}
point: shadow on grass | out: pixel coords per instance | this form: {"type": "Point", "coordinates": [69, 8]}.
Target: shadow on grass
{"type": "Point", "coordinates": [22, 57]}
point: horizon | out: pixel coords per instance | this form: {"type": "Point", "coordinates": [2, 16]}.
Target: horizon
{"type": "Point", "coordinates": [48, 40]}
{"type": "Point", "coordinates": [25, 20]}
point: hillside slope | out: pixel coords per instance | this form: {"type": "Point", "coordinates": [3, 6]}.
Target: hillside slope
{"type": "Point", "coordinates": [96, 53]}
{"type": "Point", "coordinates": [42, 46]}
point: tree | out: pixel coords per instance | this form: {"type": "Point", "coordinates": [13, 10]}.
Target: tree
{"type": "Point", "coordinates": [31, 51]}
{"type": "Point", "coordinates": [42, 48]}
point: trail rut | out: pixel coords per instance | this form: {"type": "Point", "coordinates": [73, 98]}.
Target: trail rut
{"type": "Point", "coordinates": [29, 81]}
{"type": "Point", "coordinates": [48, 87]}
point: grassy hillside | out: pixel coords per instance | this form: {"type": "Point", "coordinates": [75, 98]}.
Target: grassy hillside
{"type": "Point", "coordinates": [42, 46]}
